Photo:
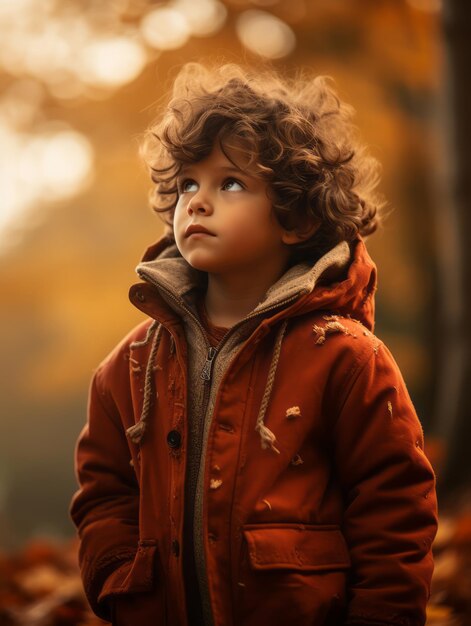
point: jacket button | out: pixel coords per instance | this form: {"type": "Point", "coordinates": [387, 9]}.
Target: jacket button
{"type": "Point", "coordinates": [175, 547]}
{"type": "Point", "coordinates": [174, 439]}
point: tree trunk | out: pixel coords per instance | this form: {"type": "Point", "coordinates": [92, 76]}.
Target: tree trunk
{"type": "Point", "coordinates": [453, 219]}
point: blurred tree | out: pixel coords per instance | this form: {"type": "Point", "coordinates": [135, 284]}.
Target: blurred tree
{"type": "Point", "coordinates": [454, 254]}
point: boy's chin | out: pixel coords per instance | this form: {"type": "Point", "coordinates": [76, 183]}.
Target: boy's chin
{"type": "Point", "coordinates": [207, 269]}
{"type": "Point", "coordinates": [201, 264]}
{"type": "Point", "coordinates": [197, 259]}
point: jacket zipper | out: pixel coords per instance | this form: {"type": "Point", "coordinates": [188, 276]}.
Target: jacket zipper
{"type": "Point", "coordinates": [206, 375]}
{"type": "Point", "coordinates": [208, 366]}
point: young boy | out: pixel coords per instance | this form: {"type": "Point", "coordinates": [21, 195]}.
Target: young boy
{"type": "Point", "coordinates": [252, 455]}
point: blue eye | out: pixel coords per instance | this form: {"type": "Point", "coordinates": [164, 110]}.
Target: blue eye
{"type": "Point", "coordinates": [231, 184]}
{"type": "Point", "coordinates": [188, 186]}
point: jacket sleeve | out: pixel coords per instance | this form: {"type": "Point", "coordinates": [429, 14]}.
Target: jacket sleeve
{"type": "Point", "coordinates": [105, 509]}
{"type": "Point", "coordinates": [390, 518]}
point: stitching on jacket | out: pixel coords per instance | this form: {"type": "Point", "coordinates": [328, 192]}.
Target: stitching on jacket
{"type": "Point", "coordinates": [114, 557]}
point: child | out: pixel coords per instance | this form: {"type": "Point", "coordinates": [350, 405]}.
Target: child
{"type": "Point", "coordinates": [252, 455]}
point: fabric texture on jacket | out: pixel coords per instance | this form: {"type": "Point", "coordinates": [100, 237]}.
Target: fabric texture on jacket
{"type": "Point", "coordinates": [280, 478]}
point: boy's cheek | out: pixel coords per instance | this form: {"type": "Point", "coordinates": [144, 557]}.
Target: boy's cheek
{"type": "Point", "coordinates": [178, 228]}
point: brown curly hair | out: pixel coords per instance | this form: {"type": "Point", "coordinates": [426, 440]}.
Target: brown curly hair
{"type": "Point", "coordinates": [297, 134]}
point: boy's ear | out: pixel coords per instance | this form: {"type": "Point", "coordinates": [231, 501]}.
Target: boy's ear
{"type": "Point", "coordinates": [299, 234]}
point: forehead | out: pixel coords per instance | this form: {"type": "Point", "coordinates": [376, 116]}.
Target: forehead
{"type": "Point", "coordinates": [230, 157]}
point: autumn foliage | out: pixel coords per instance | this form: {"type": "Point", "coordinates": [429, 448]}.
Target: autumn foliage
{"type": "Point", "coordinates": [40, 586]}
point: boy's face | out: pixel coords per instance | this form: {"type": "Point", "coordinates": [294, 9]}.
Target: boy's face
{"type": "Point", "coordinates": [244, 236]}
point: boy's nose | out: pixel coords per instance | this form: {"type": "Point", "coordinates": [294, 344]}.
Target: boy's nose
{"type": "Point", "coordinates": [199, 204]}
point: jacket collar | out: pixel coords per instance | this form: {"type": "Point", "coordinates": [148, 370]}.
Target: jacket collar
{"type": "Point", "coordinates": [343, 280]}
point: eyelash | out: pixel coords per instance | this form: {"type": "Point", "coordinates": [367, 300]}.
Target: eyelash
{"type": "Point", "coordinates": [232, 180]}
{"type": "Point", "coordinates": [181, 185]}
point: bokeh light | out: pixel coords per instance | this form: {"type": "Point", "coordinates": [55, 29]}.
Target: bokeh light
{"type": "Point", "coordinates": [204, 17]}
{"type": "Point", "coordinates": [265, 34]}
{"type": "Point", "coordinates": [112, 62]}
{"type": "Point", "coordinates": [51, 166]}
{"type": "Point", "coordinates": [165, 29]}
{"type": "Point", "coordinates": [60, 163]}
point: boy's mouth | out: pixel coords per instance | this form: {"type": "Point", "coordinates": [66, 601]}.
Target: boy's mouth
{"type": "Point", "coordinates": [194, 229]}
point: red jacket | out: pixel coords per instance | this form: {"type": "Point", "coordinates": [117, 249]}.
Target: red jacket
{"type": "Point", "coordinates": [278, 480]}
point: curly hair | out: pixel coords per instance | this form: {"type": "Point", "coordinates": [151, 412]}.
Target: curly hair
{"type": "Point", "coordinates": [297, 135]}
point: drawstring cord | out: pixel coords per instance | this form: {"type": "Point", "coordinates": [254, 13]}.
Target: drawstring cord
{"type": "Point", "coordinates": [136, 432]}
{"type": "Point", "coordinates": [267, 437]}
{"type": "Point", "coordinates": [145, 341]}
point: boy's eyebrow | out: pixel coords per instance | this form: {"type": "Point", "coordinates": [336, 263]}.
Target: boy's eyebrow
{"type": "Point", "coordinates": [226, 168]}
{"type": "Point", "coordinates": [235, 170]}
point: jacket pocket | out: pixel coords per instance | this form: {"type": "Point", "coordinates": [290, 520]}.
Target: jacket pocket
{"type": "Point", "coordinates": [296, 546]}
{"type": "Point", "coordinates": [292, 573]}
{"type": "Point", "coordinates": [134, 591]}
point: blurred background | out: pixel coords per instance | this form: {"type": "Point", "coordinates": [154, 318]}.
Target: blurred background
{"type": "Point", "coordinates": [79, 83]}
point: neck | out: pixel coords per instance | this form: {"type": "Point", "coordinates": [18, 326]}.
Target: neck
{"type": "Point", "coordinates": [229, 300]}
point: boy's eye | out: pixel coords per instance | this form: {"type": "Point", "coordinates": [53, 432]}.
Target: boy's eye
{"type": "Point", "coordinates": [231, 184]}
{"type": "Point", "coordinates": [188, 186]}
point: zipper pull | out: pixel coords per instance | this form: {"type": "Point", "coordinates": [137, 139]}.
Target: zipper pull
{"type": "Point", "coordinates": [208, 366]}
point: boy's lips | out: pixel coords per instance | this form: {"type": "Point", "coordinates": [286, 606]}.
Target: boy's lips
{"type": "Point", "coordinates": [197, 228]}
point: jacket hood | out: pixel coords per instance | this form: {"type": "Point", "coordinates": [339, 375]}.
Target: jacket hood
{"type": "Point", "coordinates": [343, 281]}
